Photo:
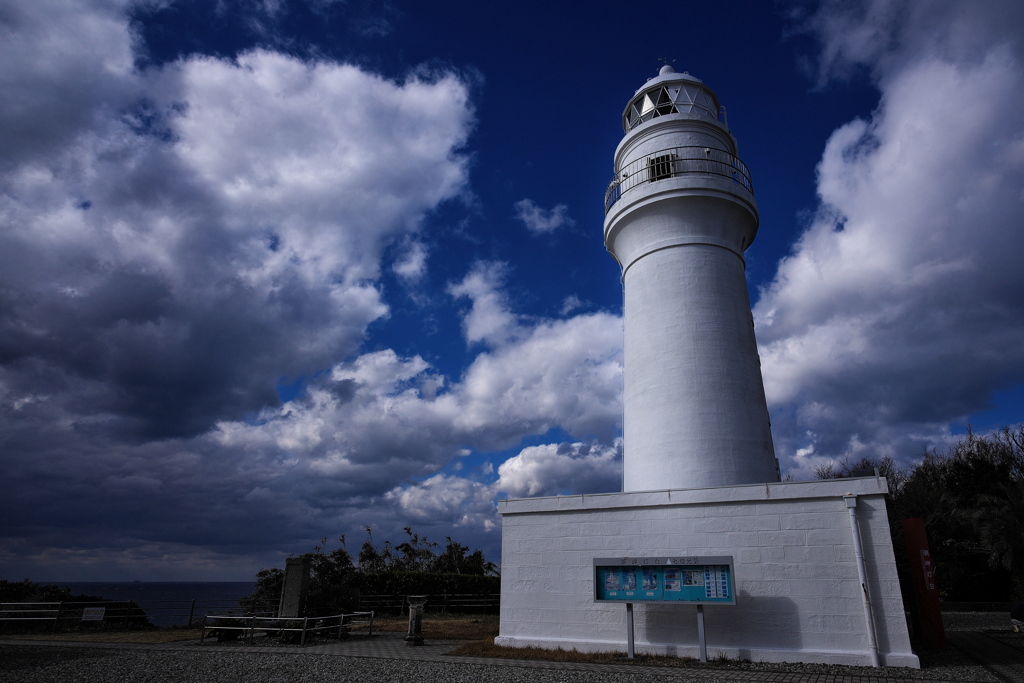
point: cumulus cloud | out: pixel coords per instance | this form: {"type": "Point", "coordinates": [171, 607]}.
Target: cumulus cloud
{"type": "Point", "coordinates": [176, 239]}
{"type": "Point", "coordinates": [554, 469]}
{"type": "Point", "coordinates": [540, 221]}
{"type": "Point", "coordinates": [901, 308]}
{"type": "Point", "coordinates": [454, 502]}
{"type": "Point", "coordinates": [571, 303]}
{"type": "Point", "coordinates": [383, 418]}
{"type": "Point", "coordinates": [489, 320]}
{"type": "Point", "coordinates": [369, 439]}
{"type": "Point", "coordinates": [379, 430]}
{"type": "Point", "coordinates": [412, 263]}
{"type": "Point", "coordinates": [546, 470]}
{"type": "Point", "coordinates": [52, 94]}
{"type": "Point", "coordinates": [212, 225]}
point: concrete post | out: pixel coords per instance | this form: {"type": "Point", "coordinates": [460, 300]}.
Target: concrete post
{"type": "Point", "coordinates": [415, 635]}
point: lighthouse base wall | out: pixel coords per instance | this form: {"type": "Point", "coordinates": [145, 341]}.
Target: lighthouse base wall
{"type": "Point", "coordinates": [798, 595]}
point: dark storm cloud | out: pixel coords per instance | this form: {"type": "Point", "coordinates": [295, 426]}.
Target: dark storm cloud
{"type": "Point", "coordinates": [174, 242]}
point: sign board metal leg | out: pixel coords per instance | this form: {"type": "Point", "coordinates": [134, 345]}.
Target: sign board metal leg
{"type": "Point", "coordinates": [700, 634]}
{"type": "Point", "coordinates": [629, 630]}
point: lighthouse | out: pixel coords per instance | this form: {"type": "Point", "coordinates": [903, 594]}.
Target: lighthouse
{"type": "Point", "coordinates": [701, 493]}
{"type": "Point", "coordinates": [679, 214]}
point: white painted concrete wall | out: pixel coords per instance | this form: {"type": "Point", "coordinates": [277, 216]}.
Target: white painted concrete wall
{"type": "Point", "coordinates": [694, 406]}
{"type": "Point", "coordinates": [798, 593]}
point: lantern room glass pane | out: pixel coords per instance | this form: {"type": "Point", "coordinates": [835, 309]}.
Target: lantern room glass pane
{"type": "Point", "coordinates": [647, 106]}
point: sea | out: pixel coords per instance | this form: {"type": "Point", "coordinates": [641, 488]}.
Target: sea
{"type": "Point", "coordinates": [171, 603]}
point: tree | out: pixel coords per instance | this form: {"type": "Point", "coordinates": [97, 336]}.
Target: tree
{"type": "Point", "coordinates": [454, 560]}
{"type": "Point", "coordinates": [372, 560]}
{"type": "Point", "coordinates": [417, 554]}
{"type": "Point", "coordinates": [972, 501]}
{"type": "Point", "coordinates": [894, 475]}
{"type": "Point", "coordinates": [331, 589]}
{"type": "Point", "coordinates": [413, 566]}
{"type": "Point", "coordinates": [332, 581]}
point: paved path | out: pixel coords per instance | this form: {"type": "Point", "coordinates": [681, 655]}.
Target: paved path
{"type": "Point", "coordinates": [1002, 653]}
{"type": "Point", "coordinates": [1003, 657]}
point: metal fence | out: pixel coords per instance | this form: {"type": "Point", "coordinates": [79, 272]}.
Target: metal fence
{"type": "Point", "coordinates": [674, 162]}
{"type": "Point", "coordinates": [437, 602]}
{"type": "Point", "coordinates": [229, 626]}
{"type": "Point", "coordinates": [62, 614]}
{"type": "Point", "coordinates": [122, 614]}
{"type": "Point", "coordinates": [110, 614]}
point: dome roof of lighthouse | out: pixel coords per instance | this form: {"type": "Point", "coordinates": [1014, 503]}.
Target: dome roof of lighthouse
{"type": "Point", "coordinates": [670, 93]}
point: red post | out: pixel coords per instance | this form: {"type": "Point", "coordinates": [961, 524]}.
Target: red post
{"type": "Point", "coordinates": [926, 593]}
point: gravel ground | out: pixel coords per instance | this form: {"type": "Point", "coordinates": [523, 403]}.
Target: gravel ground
{"type": "Point", "coordinates": [26, 664]}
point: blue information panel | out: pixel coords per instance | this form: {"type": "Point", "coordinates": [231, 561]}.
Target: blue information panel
{"type": "Point", "coordinates": [694, 580]}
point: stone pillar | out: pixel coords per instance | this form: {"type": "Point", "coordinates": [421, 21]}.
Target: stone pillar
{"type": "Point", "coordinates": [296, 584]}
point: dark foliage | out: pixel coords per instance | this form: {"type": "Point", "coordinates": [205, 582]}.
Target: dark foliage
{"type": "Point", "coordinates": [972, 501]}
{"type": "Point", "coordinates": [265, 598]}
{"type": "Point", "coordinates": [411, 567]}
{"type": "Point", "coordinates": [427, 583]}
{"type": "Point", "coordinates": [30, 591]}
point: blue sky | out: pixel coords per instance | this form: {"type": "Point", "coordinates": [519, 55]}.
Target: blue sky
{"type": "Point", "coordinates": [277, 270]}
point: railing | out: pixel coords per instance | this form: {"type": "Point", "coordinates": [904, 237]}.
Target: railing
{"type": "Point", "coordinates": [229, 626]}
{"type": "Point", "coordinates": [439, 602]}
{"type": "Point", "coordinates": [118, 613]}
{"type": "Point", "coordinates": [111, 613]}
{"type": "Point", "coordinates": [674, 162]}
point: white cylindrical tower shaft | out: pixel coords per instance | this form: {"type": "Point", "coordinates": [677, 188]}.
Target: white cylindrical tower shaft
{"type": "Point", "coordinates": [680, 212]}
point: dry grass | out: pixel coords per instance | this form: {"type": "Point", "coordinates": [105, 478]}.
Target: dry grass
{"type": "Point", "coordinates": [444, 627]}
{"type": "Point", "coordinates": [487, 648]}
{"type": "Point", "coordinates": [164, 635]}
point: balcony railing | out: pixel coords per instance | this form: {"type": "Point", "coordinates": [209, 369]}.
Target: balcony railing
{"type": "Point", "coordinates": [675, 162]}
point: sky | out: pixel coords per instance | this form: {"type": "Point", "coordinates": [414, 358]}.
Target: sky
{"type": "Point", "coordinates": [278, 270]}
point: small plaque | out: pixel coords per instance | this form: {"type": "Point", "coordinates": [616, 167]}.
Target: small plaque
{"type": "Point", "coordinates": [93, 613]}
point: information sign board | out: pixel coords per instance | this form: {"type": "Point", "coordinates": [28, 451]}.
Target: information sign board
{"type": "Point", "coordinates": [691, 580]}
{"type": "Point", "coordinates": [93, 613]}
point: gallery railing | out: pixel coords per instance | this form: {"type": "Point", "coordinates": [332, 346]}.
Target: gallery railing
{"type": "Point", "coordinates": [674, 162]}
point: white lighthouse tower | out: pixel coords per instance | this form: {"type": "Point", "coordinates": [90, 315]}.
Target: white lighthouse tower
{"type": "Point", "coordinates": [700, 483]}
{"type": "Point", "coordinates": [680, 212]}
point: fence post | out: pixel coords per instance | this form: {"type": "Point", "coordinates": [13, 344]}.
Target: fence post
{"type": "Point", "coordinates": [56, 619]}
